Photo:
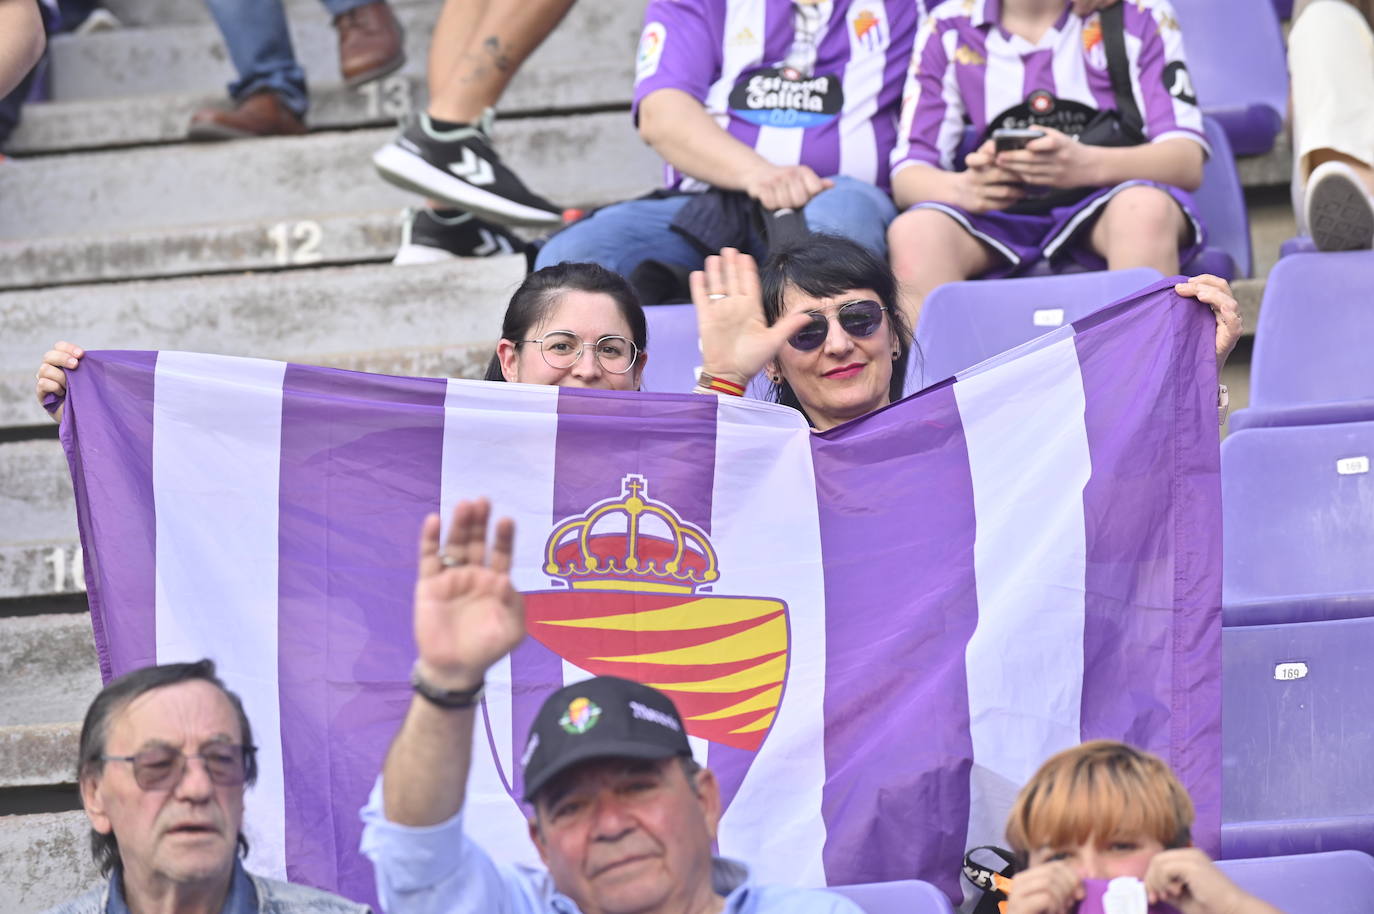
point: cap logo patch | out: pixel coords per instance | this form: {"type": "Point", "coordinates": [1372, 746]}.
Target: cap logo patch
{"type": "Point", "coordinates": [581, 716]}
{"type": "Point", "coordinates": [654, 716]}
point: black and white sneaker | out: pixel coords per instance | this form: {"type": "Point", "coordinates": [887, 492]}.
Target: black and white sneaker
{"type": "Point", "coordinates": [429, 237]}
{"type": "Point", "coordinates": [461, 168]}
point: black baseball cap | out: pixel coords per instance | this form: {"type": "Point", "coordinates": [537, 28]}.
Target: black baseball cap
{"type": "Point", "coordinates": [605, 717]}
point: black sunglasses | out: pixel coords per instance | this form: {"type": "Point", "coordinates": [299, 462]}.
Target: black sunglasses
{"type": "Point", "coordinates": [860, 319]}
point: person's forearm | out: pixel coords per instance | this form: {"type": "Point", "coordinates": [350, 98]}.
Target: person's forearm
{"type": "Point", "coordinates": [21, 41]}
{"type": "Point", "coordinates": [425, 777]}
{"type": "Point", "coordinates": [679, 129]}
{"type": "Point", "coordinates": [1175, 161]}
{"type": "Point", "coordinates": [925, 183]}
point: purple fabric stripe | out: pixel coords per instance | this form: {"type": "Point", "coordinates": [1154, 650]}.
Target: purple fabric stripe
{"type": "Point", "coordinates": [1038, 72]}
{"type": "Point", "coordinates": [1152, 630]}
{"type": "Point", "coordinates": [360, 467]}
{"type": "Point", "coordinates": [897, 546]}
{"type": "Point", "coordinates": [107, 433]}
{"type": "Point", "coordinates": [931, 108]}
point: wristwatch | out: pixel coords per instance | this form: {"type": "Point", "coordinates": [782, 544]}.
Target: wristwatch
{"type": "Point", "coordinates": [444, 698]}
{"type": "Point", "coordinates": [1223, 404]}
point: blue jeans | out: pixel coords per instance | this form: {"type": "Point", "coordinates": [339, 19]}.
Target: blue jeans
{"type": "Point", "coordinates": [259, 44]}
{"type": "Point", "coordinates": [622, 236]}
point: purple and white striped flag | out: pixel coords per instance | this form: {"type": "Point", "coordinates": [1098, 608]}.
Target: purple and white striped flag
{"type": "Point", "coordinates": [876, 633]}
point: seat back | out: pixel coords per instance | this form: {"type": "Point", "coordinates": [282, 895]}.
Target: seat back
{"type": "Point", "coordinates": [1297, 748]}
{"type": "Point", "coordinates": [1220, 203]}
{"type": "Point", "coordinates": [1298, 523]}
{"type": "Point", "coordinates": [1236, 57]}
{"type": "Point", "coordinates": [1316, 331]}
{"type": "Point", "coordinates": [674, 353]}
{"type": "Point", "coordinates": [963, 323]}
{"type": "Point", "coordinates": [909, 896]}
{"type": "Point", "coordinates": [1307, 883]}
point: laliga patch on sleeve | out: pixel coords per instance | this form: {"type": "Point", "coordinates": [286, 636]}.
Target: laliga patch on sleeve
{"type": "Point", "coordinates": [650, 50]}
{"type": "Point", "coordinates": [1179, 82]}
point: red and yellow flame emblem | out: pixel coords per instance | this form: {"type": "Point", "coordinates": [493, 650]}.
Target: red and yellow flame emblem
{"type": "Point", "coordinates": [633, 568]}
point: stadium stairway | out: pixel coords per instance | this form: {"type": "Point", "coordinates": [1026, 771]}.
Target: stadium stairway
{"type": "Point", "coordinates": [117, 234]}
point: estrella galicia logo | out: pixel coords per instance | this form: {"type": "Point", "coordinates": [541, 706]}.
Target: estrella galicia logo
{"type": "Point", "coordinates": [1179, 82]}
{"type": "Point", "coordinates": [783, 97]}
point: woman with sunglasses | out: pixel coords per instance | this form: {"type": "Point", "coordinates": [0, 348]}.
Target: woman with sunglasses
{"type": "Point", "coordinates": [821, 324]}
{"type": "Point", "coordinates": [569, 325]}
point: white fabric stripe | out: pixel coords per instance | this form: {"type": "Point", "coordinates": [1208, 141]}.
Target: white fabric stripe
{"type": "Point", "coordinates": [742, 18]}
{"type": "Point", "coordinates": [952, 124]}
{"type": "Point", "coordinates": [500, 442]}
{"type": "Point", "coordinates": [217, 553]}
{"type": "Point", "coordinates": [771, 548]}
{"type": "Point", "coordinates": [863, 77]}
{"type": "Point", "coordinates": [987, 239]}
{"type": "Point", "coordinates": [1004, 75]}
{"type": "Point", "coordinates": [1068, 66]}
{"type": "Point", "coordinates": [780, 145]}
{"type": "Point", "coordinates": [1029, 460]}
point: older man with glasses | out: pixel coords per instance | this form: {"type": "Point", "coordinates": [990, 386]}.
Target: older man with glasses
{"type": "Point", "coordinates": [166, 753]}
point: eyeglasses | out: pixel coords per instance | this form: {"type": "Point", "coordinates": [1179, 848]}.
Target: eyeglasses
{"type": "Point", "coordinates": [563, 349]}
{"type": "Point", "coordinates": [161, 767]}
{"type": "Point", "coordinates": [860, 319]}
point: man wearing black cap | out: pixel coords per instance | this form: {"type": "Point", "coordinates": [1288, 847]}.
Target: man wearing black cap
{"type": "Point", "coordinates": [624, 819]}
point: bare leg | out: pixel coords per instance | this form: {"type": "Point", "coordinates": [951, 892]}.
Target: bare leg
{"type": "Point", "coordinates": [929, 249]}
{"type": "Point", "coordinates": [478, 45]}
{"type": "Point", "coordinates": [1140, 227]}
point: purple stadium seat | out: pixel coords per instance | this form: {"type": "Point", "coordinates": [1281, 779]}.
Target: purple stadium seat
{"type": "Point", "coordinates": [1308, 883]}
{"type": "Point", "coordinates": [1298, 244]}
{"type": "Point", "coordinates": [1283, 9]}
{"type": "Point", "coordinates": [909, 896]}
{"type": "Point", "coordinates": [963, 323]}
{"type": "Point", "coordinates": [1297, 745]}
{"type": "Point", "coordinates": [1312, 360]}
{"type": "Point", "coordinates": [1239, 68]}
{"type": "Point", "coordinates": [674, 354]}
{"type": "Point", "coordinates": [1298, 524]}
{"type": "Point", "coordinates": [1221, 206]}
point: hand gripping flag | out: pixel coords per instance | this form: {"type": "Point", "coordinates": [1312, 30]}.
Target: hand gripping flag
{"type": "Point", "coordinates": [875, 634]}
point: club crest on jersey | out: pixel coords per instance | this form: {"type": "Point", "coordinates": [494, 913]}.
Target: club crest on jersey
{"type": "Point", "coordinates": [1040, 102]}
{"type": "Point", "coordinates": [581, 716]}
{"type": "Point", "coordinates": [869, 31]}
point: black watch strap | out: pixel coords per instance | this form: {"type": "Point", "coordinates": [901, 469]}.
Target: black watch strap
{"type": "Point", "coordinates": [444, 698]}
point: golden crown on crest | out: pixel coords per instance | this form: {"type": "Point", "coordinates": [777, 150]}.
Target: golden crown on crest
{"type": "Point", "coordinates": [630, 543]}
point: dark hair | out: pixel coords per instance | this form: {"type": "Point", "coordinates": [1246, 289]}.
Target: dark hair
{"type": "Point", "coordinates": [541, 290]}
{"type": "Point", "coordinates": [113, 699]}
{"type": "Point", "coordinates": [825, 265]}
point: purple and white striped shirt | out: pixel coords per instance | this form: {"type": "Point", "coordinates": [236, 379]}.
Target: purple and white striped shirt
{"type": "Point", "coordinates": [815, 84]}
{"type": "Point", "coordinates": [968, 70]}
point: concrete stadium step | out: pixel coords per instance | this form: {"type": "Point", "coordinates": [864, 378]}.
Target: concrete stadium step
{"type": "Point", "coordinates": [49, 668]}
{"type": "Point", "coordinates": [35, 493]}
{"type": "Point", "coordinates": [1270, 212]}
{"type": "Point", "coordinates": [45, 858]}
{"type": "Point", "coordinates": [41, 755]}
{"type": "Point", "coordinates": [294, 178]}
{"type": "Point", "coordinates": [191, 56]}
{"type": "Point", "coordinates": [197, 250]}
{"type": "Point", "coordinates": [312, 316]}
{"type": "Point", "coordinates": [42, 570]}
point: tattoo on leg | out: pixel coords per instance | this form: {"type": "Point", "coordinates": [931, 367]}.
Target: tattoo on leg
{"type": "Point", "coordinates": [492, 45]}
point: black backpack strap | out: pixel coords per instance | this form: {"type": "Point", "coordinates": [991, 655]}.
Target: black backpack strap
{"type": "Point", "coordinates": [1113, 20]}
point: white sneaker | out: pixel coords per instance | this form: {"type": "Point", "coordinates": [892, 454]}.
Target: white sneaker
{"type": "Point", "coordinates": [1340, 211]}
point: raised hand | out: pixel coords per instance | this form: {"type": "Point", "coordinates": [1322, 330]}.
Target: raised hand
{"type": "Point", "coordinates": [1050, 888]}
{"type": "Point", "coordinates": [736, 341]}
{"type": "Point", "coordinates": [1187, 878]}
{"type": "Point", "coordinates": [1215, 293]}
{"type": "Point", "coordinates": [467, 613]}
{"type": "Point", "coordinates": [52, 373]}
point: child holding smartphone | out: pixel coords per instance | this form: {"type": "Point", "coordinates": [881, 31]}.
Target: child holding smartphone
{"type": "Point", "coordinates": [1106, 184]}
{"type": "Point", "coordinates": [1103, 810]}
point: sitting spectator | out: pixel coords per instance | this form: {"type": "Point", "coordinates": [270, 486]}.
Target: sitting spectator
{"type": "Point", "coordinates": [446, 151]}
{"type": "Point", "coordinates": [21, 41]}
{"type": "Point", "coordinates": [794, 107]}
{"type": "Point", "coordinates": [624, 818]}
{"type": "Point", "coordinates": [1036, 64]}
{"type": "Point", "coordinates": [269, 97]}
{"type": "Point", "coordinates": [1331, 63]}
{"type": "Point", "coordinates": [164, 757]}
{"type": "Point", "coordinates": [1105, 809]}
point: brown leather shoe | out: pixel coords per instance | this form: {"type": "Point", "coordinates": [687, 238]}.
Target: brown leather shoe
{"type": "Point", "coordinates": [260, 114]}
{"type": "Point", "coordinates": [371, 43]}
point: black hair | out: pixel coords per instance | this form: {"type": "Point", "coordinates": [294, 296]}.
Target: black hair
{"type": "Point", "coordinates": [541, 290]}
{"type": "Point", "coordinates": [113, 699]}
{"type": "Point", "coordinates": [827, 265]}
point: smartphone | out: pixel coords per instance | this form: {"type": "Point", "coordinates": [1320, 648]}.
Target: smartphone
{"type": "Point", "coordinates": [1005, 139]}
